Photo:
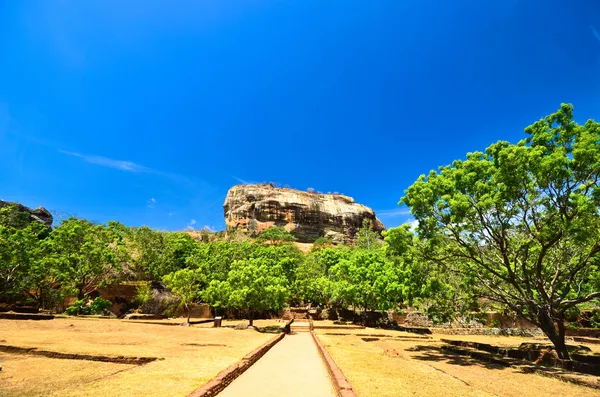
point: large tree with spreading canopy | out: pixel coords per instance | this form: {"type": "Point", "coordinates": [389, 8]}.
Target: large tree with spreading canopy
{"type": "Point", "coordinates": [521, 218]}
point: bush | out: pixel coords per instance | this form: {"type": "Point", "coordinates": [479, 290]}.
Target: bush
{"type": "Point", "coordinates": [143, 294]}
{"type": "Point", "coordinates": [321, 241]}
{"type": "Point", "coordinates": [275, 233]}
{"type": "Point", "coordinates": [83, 306]}
{"type": "Point", "coordinates": [595, 320]}
{"type": "Point", "coordinates": [76, 308]}
{"type": "Point", "coordinates": [100, 306]}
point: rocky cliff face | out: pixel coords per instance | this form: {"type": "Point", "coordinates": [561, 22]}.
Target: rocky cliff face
{"type": "Point", "coordinates": [308, 216]}
{"type": "Point", "coordinates": [40, 214]}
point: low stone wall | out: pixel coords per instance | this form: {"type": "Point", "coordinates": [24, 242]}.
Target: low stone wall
{"type": "Point", "coordinates": [197, 310]}
{"type": "Point", "coordinates": [25, 316]}
{"type": "Point", "coordinates": [142, 316]}
{"type": "Point", "coordinates": [32, 351]}
{"type": "Point", "coordinates": [589, 332]}
{"type": "Point", "coordinates": [225, 377]}
{"type": "Point", "coordinates": [488, 331]}
{"type": "Point", "coordinates": [343, 388]}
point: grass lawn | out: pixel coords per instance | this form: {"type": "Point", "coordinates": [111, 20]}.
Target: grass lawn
{"type": "Point", "coordinates": [413, 367]}
{"type": "Point", "coordinates": [192, 356]}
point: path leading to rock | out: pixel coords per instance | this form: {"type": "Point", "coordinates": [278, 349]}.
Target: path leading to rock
{"type": "Point", "coordinates": [292, 368]}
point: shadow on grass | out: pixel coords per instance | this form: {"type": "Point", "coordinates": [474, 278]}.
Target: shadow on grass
{"type": "Point", "coordinates": [437, 354]}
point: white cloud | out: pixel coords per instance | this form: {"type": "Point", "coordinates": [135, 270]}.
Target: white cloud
{"type": "Point", "coordinates": [192, 222]}
{"type": "Point", "coordinates": [207, 228]}
{"type": "Point", "coordinates": [122, 165]}
{"type": "Point", "coordinates": [393, 212]}
{"type": "Point", "coordinates": [243, 181]}
{"type": "Point", "coordinates": [151, 202]}
{"type": "Point", "coordinates": [111, 163]}
{"type": "Point", "coordinates": [595, 33]}
{"type": "Point", "coordinates": [414, 224]}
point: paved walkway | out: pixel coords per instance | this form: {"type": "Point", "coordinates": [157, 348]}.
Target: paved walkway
{"type": "Point", "coordinates": [292, 368]}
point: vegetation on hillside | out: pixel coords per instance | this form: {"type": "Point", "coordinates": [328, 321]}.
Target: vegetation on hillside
{"type": "Point", "coordinates": [517, 225]}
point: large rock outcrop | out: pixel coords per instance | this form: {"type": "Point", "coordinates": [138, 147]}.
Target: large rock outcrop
{"type": "Point", "coordinates": [308, 216]}
{"type": "Point", "coordinates": [40, 214]}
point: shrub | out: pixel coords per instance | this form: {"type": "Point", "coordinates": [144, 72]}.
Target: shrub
{"type": "Point", "coordinates": [595, 319]}
{"type": "Point", "coordinates": [321, 241]}
{"type": "Point", "coordinates": [275, 233]}
{"type": "Point", "coordinates": [99, 306]}
{"type": "Point", "coordinates": [78, 307]}
{"type": "Point", "coordinates": [143, 294]}
{"type": "Point", "coordinates": [83, 306]}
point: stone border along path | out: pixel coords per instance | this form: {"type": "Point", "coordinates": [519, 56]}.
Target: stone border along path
{"type": "Point", "coordinates": [343, 388]}
{"type": "Point", "coordinates": [225, 377]}
{"type": "Point", "coordinates": [292, 368]}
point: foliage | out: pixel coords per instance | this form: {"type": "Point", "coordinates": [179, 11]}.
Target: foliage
{"type": "Point", "coordinates": [157, 253]}
{"type": "Point", "coordinates": [21, 265]}
{"type": "Point", "coordinates": [320, 242]}
{"type": "Point", "coordinates": [11, 217]}
{"type": "Point", "coordinates": [366, 238]}
{"type": "Point", "coordinates": [275, 234]}
{"type": "Point", "coordinates": [185, 284]}
{"type": "Point", "coordinates": [521, 219]}
{"type": "Point", "coordinates": [143, 294]}
{"type": "Point", "coordinates": [81, 256]}
{"type": "Point", "coordinates": [311, 284]}
{"type": "Point", "coordinates": [255, 284]}
{"type": "Point", "coordinates": [87, 307]}
{"type": "Point", "coordinates": [366, 280]}
{"type": "Point", "coordinates": [595, 319]}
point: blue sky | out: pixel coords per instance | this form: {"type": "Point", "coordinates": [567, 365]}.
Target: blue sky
{"type": "Point", "coordinates": [147, 112]}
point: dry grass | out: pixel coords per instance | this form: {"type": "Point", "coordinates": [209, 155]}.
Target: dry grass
{"type": "Point", "coordinates": [192, 356]}
{"type": "Point", "coordinates": [405, 367]}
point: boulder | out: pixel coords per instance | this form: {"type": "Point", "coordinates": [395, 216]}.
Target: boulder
{"type": "Point", "coordinates": [306, 215]}
{"type": "Point", "coordinates": [40, 214]}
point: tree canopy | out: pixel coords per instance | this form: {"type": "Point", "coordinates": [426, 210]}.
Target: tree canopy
{"type": "Point", "coordinates": [522, 219]}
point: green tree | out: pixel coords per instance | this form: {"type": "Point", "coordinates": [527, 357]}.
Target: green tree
{"type": "Point", "coordinates": [81, 255]}
{"type": "Point", "coordinates": [275, 234]}
{"type": "Point", "coordinates": [366, 238]}
{"type": "Point", "coordinates": [312, 283]}
{"type": "Point", "coordinates": [366, 280]}
{"type": "Point", "coordinates": [522, 219]}
{"type": "Point", "coordinates": [252, 285]}
{"type": "Point", "coordinates": [215, 258]}
{"type": "Point", "coordinates": [21, 260]}
{"type": "Point", "coordinates": [441, 293]}
{"type": "Point", "coordinates": [11, 217]}
{"type": "Point", "coordinates": [158, 253]}
{"type": "Point", "coordinates": [286, 255]}
{"type": "Point", "coordinates": [185, 283]}
{"type": "Point", "coordinates": [148, 251]}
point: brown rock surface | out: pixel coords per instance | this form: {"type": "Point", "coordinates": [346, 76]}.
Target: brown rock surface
{"type": "Point", "coordinates": [308, 216]}
{"type": "Point", "coordinates": [40, 214]}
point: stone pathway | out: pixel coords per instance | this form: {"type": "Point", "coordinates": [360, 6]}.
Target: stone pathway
{"type": "Point", "coordinates": [292, 368]}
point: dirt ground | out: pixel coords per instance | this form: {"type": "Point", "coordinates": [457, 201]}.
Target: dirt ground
{"type": "Point", "coordinates": [405, 364]}
{"type": "Point", "coordinates": [190, 357]}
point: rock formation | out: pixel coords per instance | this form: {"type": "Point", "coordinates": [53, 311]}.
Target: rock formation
{"type": "Point", "coordinates": [40, 214]}
{"type": "Point", "coordinates": [308, 216]}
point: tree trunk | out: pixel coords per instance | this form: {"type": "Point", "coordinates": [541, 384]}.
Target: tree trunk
{"type": "Point", "coordinates": [251, 320]}
{"type": "Point", "coordinates": [80, 294]}
{"type": "Point", "coordinates": [555, 331]}
{"type": "Point", "coordinates": [187, 308]}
